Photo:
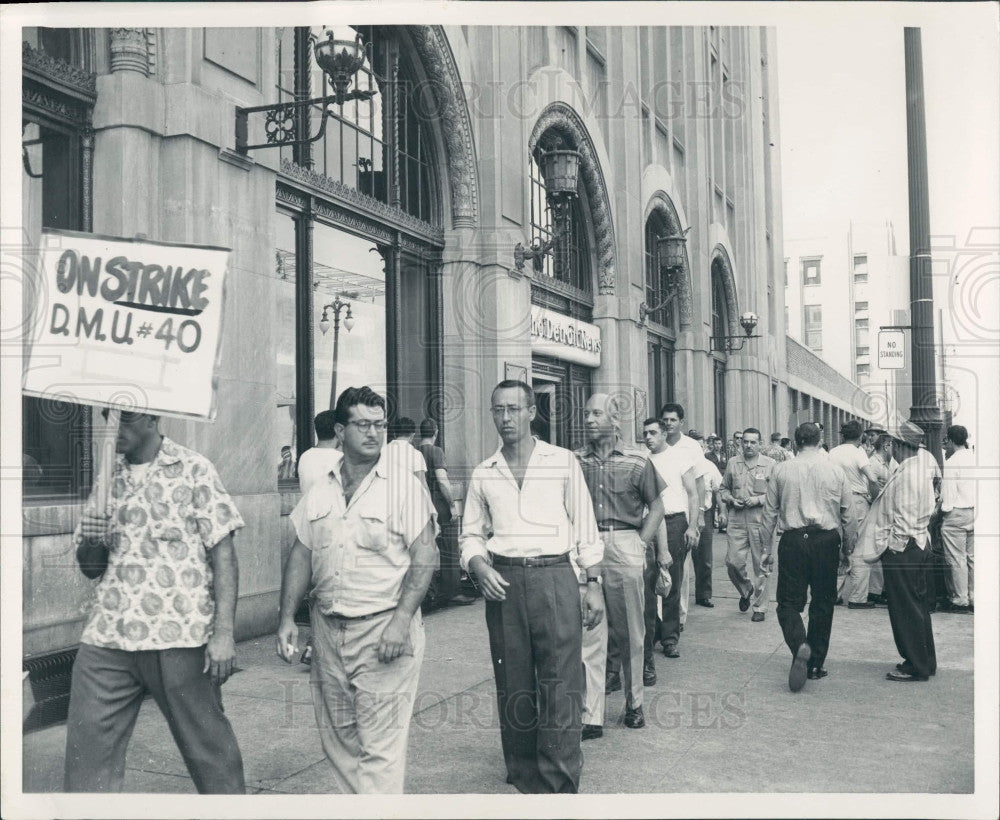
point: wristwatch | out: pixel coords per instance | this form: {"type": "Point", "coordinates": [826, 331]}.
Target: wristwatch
{"type": "Point", "coordinates": [595, 579]}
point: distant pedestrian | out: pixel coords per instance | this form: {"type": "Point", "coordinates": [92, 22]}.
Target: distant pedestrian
{"type": "Point", "coordinates": [701, 556]}
{"type": "Point", "coordinates": [744, 487]}
{"type": "Point", "coordinates": [163, 619]}
{"type": "Point", "coordinates": [623, 484]}
{"type": "Point", "coordinates": [774, 450]}
{"type": "Point", "coordinates": [808, 500]}
{"type": "Point", "coordinates": [400, 447]}
{"type": "Point", "coordinates": [850, 457]}
{"type": "Point", "coordinates": [365, 546]}
{"type": "Point", "coordinates": [526, 510]}
{"type": "Point", "coordinates": [678, 460]}
{"type": "Point", "coordinates": [897, 530]}
{"type": "Point", "coordinates": [786, 445]}
{"type": "Point", "coordinates": [958, 509]}
{"type": "Point", "coordinates": [286, 467]}
{"type": "Point", "coordinates": [317, 462]}
{"type": "Point", "coordinates": [442, 495]}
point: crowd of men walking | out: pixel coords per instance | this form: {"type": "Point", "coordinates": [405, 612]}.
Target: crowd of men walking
{"type": "Point", "coordinates": [584, 559]}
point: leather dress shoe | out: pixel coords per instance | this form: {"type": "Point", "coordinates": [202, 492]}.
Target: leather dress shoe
{"type": "Point", "coordinates": [956, 608]}
{"type": "Point", "coordinates": [745, 602]}
{"type": "Point", "coordinates": [864, 605]}
{"type": "Point", "coordinates": [757, 617]}
{"type": "Point", "coordinates": [670, 650]}
{"type": "Point", "coordinates": [704, 602]}
{"type": "Point", "coordinates": [680, 628]}
{"type": "Point", "coordinates": [648, 674]}
{"type": "Point", "coordinates": [612, 683]}
{"type": "Point", "coordinates": [591, 732]}
{"type": "Point", "coordinates": [878, 600]}
{"type": "Point", "coordinates": [905, 677]}
{"type": "Point", "coordinates": [634, 718]}
{"type": "Point", "coordinates": [905, 667]}
{"type": "Point", "coordinates": [816, 674]}
{"type": "Point", "coordinates": [798, 672]}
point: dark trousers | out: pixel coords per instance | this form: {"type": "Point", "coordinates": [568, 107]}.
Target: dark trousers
{"type": "Point", "coordinates": [807, 562]}
{"type": "Point", "coordinates": [451, 571]}
{"type": "Point", "coordinates": [670, 626]}
{"type": "Point", "coordinates": [701, 557]}
{"type": "Point", "coordinates": [910, 596]}
{"type": "Point", "coordinates": [105, 695]}
{"type": "Point", "coordinates": [536, 639]}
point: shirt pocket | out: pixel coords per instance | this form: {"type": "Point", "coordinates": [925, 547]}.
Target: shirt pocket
{"type": "Point", "coordinates": [759, 484]}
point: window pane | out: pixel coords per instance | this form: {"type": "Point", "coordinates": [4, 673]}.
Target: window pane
{"type": "Point", "coordinates": [351, 269]}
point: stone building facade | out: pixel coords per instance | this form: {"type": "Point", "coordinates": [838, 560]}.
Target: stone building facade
{"type": "Point", "coordinates": [396, 230]}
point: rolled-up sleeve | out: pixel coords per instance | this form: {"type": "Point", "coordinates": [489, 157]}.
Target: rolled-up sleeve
{"type": "Point", "coordinates": [586, 539]}
{"type": "Point", "coordinates": [477, 523]}
{"type": "Point", "coordinates": [770, 505]}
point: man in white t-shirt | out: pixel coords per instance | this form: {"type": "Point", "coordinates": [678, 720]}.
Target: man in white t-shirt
{"type": "Point", "coordinates": [699, 560]}
{"type": "Point", "coordinates": [401, 448]}
{"type": "Point", "coordinates": [317, 462]}
{"type": "Point", "coordinates": [853, 460]}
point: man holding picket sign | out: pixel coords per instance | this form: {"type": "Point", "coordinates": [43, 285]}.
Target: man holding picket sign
{"type": "Point", "coordinates": [163, 619]}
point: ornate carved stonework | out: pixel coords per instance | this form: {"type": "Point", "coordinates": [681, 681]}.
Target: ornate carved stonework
{"type": "Point", "coordinates": [357, 202]}
{"type": "Point", "coordinates": [563, 120]}
{"type": "Point", "coordinates": [129, 50]}
{"type": "Point", "coordinates": [63, 74]}
{"type": "Point", "coordinates": [290, 197]}
{"type": "Point", "coordinates": [56, 106]}
{"type": "Point", "coordinates": [663, 206]}
{"type": "Point", "coordinates": [350, 219]}
{"type": "Point", "coordinates": [151, 50]}
{"type": "Point", "coordinates": [453, 115]}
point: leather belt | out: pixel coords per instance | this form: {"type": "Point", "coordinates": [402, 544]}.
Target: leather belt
{"type": "Point", "coordinates": [537, 561]}
{"type": "Point", "coordinates": [338, 617]}
{"type": "Point", "coordinates": [673, 515]}
{"type": "Point", "coordinates": [613, 528]}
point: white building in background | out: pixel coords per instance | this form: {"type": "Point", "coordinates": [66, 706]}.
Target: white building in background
{"type": "Point", "coordinates": [840, 290]}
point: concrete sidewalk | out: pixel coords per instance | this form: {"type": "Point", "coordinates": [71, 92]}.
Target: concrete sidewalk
{"type": "Point", "coordinates": [721, 718]}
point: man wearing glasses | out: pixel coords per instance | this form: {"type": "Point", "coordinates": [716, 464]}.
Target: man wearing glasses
{"type": "Point", "coordinates": [526, 512]}
{"type": "Point", "coordinates": [366, 546]}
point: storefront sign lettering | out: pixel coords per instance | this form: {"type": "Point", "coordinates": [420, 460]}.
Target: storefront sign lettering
{"type": "Point", "coordinates": [562, 337]}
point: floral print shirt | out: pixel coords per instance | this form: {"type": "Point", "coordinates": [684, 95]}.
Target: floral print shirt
{"type": "Point", "coordinates": [157, 592]}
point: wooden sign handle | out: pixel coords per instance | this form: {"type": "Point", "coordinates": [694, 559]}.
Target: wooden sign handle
{"type": "Point", "coordinates": [100, 496]}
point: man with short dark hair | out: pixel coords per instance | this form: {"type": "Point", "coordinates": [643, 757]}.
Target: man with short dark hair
{"type": "Point", "coordinates": [958, 502]}
{"type": "Point", "coordinates": [317, 462]}
{"type": "Point", "coordinates": [807, 498]}
{"type": "Point", "coordinates": [526, 510]}
{"type": "Point", "coordinates": [774, 450]}
{"type": "Point", "coordinates": [163, 619]}
{"type": "Point", "coordinates": [365, 543]}
{"type": "Point", "coordinates": [679, 461]}
{"type": "Point", "coordinates": [744, 487]}
{"type": "Point", "coordinates": [447, 592]}
{"type": "Point", "coordinates": [400, 447]}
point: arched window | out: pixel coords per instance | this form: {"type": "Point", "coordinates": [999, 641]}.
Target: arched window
{"type": "Point", "coordinates": [720, 324]}
{"type": "Point", "coordinates": [378, 146]}
{"type": "Point", "coordinates": [569, 261]}
{"type": "Point", "coordinates": [656, 278]}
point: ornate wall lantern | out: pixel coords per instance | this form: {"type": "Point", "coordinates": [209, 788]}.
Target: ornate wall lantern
{"type": "Point", "coordinates": [560, 169]}
{"type": "Point", "coordinates": [748, 321]}
{"type": "Point", "coordinates": [672, 256]}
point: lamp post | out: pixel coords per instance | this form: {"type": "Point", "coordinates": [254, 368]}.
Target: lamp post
{"type": "Point", "coordinates": [336, 306]}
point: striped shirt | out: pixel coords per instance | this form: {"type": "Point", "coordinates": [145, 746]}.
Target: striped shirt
{"type": "Point", "coordinates": [621, 485]}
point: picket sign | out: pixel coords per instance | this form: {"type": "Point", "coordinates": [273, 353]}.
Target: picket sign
{"type": "Point", "coordinates": [127, 324]}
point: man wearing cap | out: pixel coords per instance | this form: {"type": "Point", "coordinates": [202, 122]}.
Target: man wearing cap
{"type": "Point", "coordinates": [162, 623]}
{"type": "Point", "coordinates": [899, 520]}
{"type": "Point", "coordinates": [623, 485]}
{"type": "Point", "coordinates": [958, 502]}
{"type": "Point", "coordinates": [807, 498]}
{"type": "Point", "coordinates": [743, 491]}
{"type": "Point", "coordinates": [526, 510]}
{"type": "Point", "coordinates": [850, 457]}
{"type": "Point", "coordinates": [365, 544]}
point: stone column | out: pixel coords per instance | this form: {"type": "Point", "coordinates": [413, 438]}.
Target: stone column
{"type": "Point", "coordinates": [129, 51]}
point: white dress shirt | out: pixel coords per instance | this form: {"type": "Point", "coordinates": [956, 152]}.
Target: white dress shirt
{"type": "Point", "coordinates": [958, 490]}
{"type": "Point", "coordinates": [852, 460]}
{"type": "Point", "coordinates": [549, 514]}
{"type": "Point", "coordinates": [910, 500]}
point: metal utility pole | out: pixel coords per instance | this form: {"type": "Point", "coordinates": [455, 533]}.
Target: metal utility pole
{"type": "Point", "coordinates": [924, 411]}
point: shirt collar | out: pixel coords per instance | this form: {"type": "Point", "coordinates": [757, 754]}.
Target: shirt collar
{"type": "Point", "coordinates": [542, 450]}
{"type": "Point", "coordinates": [619, 447]}
{"type": "Point", "coordinates": [169, 453]}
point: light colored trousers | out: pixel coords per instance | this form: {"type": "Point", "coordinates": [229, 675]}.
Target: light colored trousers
{"type": "Point", "coordinates": [625, 605]}
{"type": "Point", "coordinates": [363, 706]}
{"type": "Point", "coordinates": [595, 658]}
{"type": "Point", "coordinates": [861, 578]}
{"type": "Point", "coordinates": [686, 587]}
{"type": "Point", "coordinates": [957, 533]}
{"type": "Point", "coordinates": [746, 540]}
